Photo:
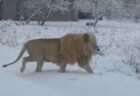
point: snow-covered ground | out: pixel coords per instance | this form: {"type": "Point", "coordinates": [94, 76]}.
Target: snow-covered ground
{"type": "Point", "coordinates": [115, 73]}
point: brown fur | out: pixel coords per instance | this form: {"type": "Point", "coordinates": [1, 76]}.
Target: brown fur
{"type": "Point", "coordinates": [69, 49]}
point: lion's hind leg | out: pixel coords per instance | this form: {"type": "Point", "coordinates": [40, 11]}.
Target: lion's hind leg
{"type": "Point", "coordinates": [39, 65]}
{"type": "Point", "coordinates": [24, 61]}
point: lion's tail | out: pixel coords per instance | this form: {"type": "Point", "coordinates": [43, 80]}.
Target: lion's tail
{"type": "Point", "coordinates": [19, 56]}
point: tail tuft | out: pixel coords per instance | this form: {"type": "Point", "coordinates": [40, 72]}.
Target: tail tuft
{"type": "Point", "coordinates": [4, 66]}
{"type": "Point", "coordinates": [20, 55]}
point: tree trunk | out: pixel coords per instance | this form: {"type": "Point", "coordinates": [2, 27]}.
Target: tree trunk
{"type": "Point", "coordinates": [45, 17]}
{"type": "Point", "coordinates": [29, 19]}
{"type": "Point", "coordinates": [96, 21]}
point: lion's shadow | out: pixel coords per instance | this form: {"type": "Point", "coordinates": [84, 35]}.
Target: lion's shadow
{"type": "Point", "coordinates": [54, 72]}
{"type": "Point", "coordinates": [49, 75]}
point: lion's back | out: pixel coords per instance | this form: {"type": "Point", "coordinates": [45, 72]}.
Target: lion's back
{"type": "Point", "coordinates": [47, 48]}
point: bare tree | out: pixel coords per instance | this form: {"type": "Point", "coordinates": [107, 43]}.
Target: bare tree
{"type": "Point", "coordinates": [100, 8]}
{"type": "Point", "coordinates": [43, 8]}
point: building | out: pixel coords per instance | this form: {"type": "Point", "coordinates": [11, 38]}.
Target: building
{"type": "Point", "coordinates": [8, 10]}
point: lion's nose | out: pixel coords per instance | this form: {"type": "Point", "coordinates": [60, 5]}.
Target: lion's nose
{"type": "Point", "coordinates": [98, 49]}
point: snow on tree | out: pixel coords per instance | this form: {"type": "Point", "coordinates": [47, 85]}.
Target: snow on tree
{"type": "Point", "coordinates": [133, 9]}
{"type": "Point", "coordinates": [100, 8]}
{"type": "Point", "coordinates": [30, 8]}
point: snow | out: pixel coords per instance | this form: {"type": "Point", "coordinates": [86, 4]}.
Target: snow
{"type": "Point", "coordinates": [114, 72]}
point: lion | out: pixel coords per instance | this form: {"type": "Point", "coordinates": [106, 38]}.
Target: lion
{"type": "Point", "coordinates": [69, 49]}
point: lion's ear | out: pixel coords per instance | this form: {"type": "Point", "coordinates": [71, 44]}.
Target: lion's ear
{"type": "Point", "coordinates": [86, 37]}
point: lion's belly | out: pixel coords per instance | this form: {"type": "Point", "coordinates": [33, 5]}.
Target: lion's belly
{"type": "Point", "coordinates": [50, 59]}
{"type": "Point", "coordinates": [51, 55]}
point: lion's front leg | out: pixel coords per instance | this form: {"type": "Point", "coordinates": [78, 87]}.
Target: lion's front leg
{"type": "Point", "coordinates": [85, 64]}
{"type": "Point", "coordinates": [88, 68]}
{"type": "Point", "coordinates": [62, 67]}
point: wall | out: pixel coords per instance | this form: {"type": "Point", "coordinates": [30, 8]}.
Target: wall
{"type": "Point", "coordinates": [9, 9]}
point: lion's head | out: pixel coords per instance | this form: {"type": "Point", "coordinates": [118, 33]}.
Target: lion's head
{"type": "Point", "coordinates": [74, 46]}
{"type": "Point", "coordinates": [90, 43]}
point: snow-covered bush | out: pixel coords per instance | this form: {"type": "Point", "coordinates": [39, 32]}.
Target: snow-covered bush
{"type": "Point", "coordinates": [132, 55]}
{"type": "Point", "coordinates": [8, 35]}
{"type": "Point", "coordinates": [121, 49]}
